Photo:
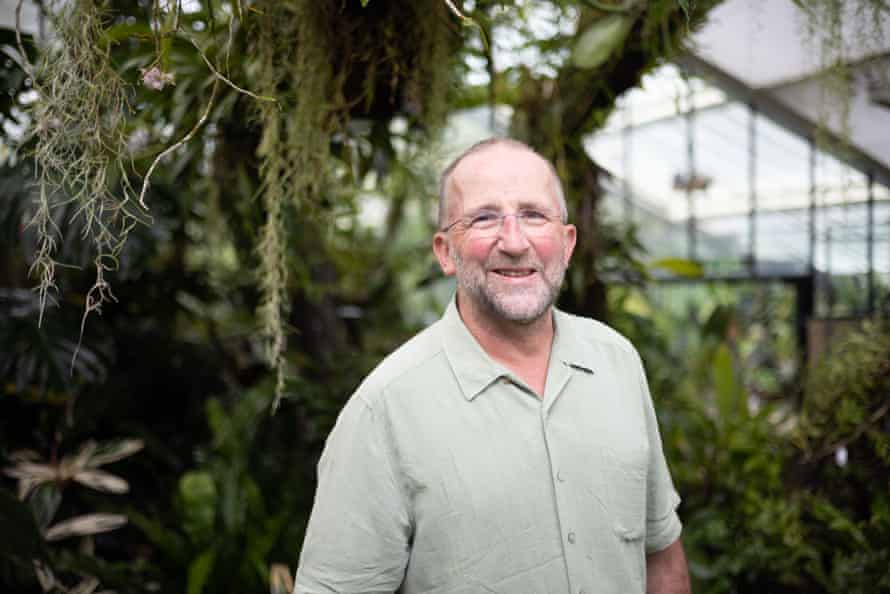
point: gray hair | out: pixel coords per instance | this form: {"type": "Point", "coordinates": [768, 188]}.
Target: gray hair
{"type": "Point", "coordinates": [445, 179]}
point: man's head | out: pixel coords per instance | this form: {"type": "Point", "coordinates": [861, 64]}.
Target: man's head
{"type": "Point", "coordinates": [445, 179]}
{"type": "Point", "coordinates": [503, 231]}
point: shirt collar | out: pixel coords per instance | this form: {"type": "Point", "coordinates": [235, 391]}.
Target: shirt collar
{"type": "Point", "coordinates": [476, 370]}
{"type": "Point", "coordinates": [568, 347]}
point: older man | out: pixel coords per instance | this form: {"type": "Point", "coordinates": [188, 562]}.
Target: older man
{"type": "Point", "coordinates": [509, 447]}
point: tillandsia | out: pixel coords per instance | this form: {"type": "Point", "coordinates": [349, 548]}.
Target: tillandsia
{"type": "Point", "coordinates": [80, 148]}
{"type": "Point", "coordinates": [309, 56]}
{"type": "Point", "coordinates": [80, 139]}
{"type": "Point", "coordinates": [293, 148]}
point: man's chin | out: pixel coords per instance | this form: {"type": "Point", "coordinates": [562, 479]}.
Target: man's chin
{"type": "Point", "coordinates": [520, 311]}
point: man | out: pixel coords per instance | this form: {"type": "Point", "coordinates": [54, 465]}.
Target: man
{"type": "Point", "coordinates": [509, 447]}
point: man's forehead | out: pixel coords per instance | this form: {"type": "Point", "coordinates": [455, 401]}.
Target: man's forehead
{"type": "Point", "coordinates": [497, 168]}
{"type": "Point", "coordinates": [504, 156]}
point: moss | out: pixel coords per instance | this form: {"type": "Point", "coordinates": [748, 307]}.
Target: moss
{"type": "Point", "coordinates": [329, 63]}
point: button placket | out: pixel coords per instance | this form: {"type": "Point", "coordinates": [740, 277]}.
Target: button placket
{"type": "Point", "coordinates": [574, 555]}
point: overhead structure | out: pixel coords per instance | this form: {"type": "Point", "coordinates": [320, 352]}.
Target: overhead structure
{"type": "Point", "coordinates": [735, 156]}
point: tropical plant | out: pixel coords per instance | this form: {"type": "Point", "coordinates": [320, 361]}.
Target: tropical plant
{"type": "Point", "coordinates": [41, 484]}
{"type": "Point", "coordinates": [255, 139]}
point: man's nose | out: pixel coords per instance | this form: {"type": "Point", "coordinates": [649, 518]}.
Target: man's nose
{"type": "Point", "coordinates": [511, 237]}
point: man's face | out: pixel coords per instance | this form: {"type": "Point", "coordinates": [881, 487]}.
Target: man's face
{"type": "Point", "coordinates": [514, 273]}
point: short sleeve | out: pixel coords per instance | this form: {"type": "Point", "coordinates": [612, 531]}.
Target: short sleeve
{"type": "Point", "coordinates": [358, 535]}
{"type": "Point", "coordinates": [663, 525]}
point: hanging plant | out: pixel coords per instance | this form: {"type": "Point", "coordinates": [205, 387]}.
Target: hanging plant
{"type": "Point", "coordinates": [329, 64]}
{"type": "Point", "coordinates": [80, 148]}
{"type": "Point", "coordinates": [294, 147]}
{"type": "Point", "coordinates": [316, 67]}
{"type": "Point", "coordinates": [826, 22]}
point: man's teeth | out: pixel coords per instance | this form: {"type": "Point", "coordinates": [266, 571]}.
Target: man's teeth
{"type": "Point", "coordinates": [514, 272]}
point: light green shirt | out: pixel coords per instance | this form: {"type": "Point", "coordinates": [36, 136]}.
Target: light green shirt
{"type": "Point", "coordinates": [446, 474]}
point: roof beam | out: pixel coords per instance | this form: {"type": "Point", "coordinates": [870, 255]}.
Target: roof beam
{"type": "Point", "coordinates": [770, 107]}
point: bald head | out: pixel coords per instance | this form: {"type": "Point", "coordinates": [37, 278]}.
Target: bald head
{"type": "Point", "coordinates": [446, 187]}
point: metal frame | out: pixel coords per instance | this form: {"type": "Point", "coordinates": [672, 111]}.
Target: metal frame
{"type": "Point", "coordinates": [775, 110]}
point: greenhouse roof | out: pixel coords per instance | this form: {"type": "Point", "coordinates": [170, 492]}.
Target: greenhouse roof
{"type": "Point", "coordinates": [772, 51]}
{"type": "Point", "coordinates": [716, 157]}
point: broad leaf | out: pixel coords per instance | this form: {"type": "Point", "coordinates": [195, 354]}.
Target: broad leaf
{"type": "Point", "coordinates": [600, 40]}
{"type": "Point", "coordinates": [102, 481]}
{"type": "Point", "coordinates": [199, 571]}
{"type": "Point", "coordinates": [680, 267]}
{"type": "Point", "coordinates": [730, 394]}
{"type": "Point", "coordinates": [85, 525]}
{"type": "Point", "coordinates": [114, 451]}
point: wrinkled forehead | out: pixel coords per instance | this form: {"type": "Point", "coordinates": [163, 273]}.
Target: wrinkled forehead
{"type": "Point", "coordinates": [502, 177]}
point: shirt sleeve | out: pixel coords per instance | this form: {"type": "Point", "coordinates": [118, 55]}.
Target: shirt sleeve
{"type": "Point", "coordinates": [358, 535]}
{"type": "Point", "coordinates": [663, 525]}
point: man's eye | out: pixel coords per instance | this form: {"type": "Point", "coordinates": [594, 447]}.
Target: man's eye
{"type": "Point", "coordinates": [483, 218]}
{"type": "Point", "coordinates": [534, 217]}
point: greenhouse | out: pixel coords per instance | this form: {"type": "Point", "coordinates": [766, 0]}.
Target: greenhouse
{"type": "Point", "coordinates": [445, 296]}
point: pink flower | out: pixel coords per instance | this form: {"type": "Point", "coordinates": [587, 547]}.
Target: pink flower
{"type": "Point", "coordinates": [156, 79]}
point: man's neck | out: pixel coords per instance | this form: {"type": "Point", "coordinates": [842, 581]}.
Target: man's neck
{"type": "Point", "coordinates": [522, 348]}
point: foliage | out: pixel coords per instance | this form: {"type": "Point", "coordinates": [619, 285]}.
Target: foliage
{"type": "Point", "coordinates": [225, 528]}
{"type": "Point", "coordinates": [80, 151]}
{"type": "Point", "coordinates": [41, 484]}
{"type": "Point", "coordinates": [263, 206]}
{"type": "Point", "coordinates": [769, 504]}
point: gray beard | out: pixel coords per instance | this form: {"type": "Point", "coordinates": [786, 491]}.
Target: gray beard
{"type": "Point", "coordinates": [497, 305]}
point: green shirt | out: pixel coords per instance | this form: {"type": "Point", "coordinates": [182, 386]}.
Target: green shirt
{"type": "Point", "coordinates": [445, 473]}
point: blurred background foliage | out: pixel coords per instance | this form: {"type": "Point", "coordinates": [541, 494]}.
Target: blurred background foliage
{"type": "Point", "coordinates": [296, 234]}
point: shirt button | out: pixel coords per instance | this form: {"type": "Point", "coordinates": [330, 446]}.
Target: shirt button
{"type": "Point", "coordinates": [571, 538]}
{"type": "Point", "coordinates": [560, 476]}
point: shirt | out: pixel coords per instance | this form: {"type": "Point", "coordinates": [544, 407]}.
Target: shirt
{"type": "Point", "coordinates": [446, 474]}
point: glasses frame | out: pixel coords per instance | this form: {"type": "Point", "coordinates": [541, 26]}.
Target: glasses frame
{"type": "Point", "coordinates": [501, 217]}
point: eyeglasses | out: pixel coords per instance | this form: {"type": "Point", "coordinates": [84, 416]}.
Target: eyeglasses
{"type": "Point", "coordinates": [488, 223]}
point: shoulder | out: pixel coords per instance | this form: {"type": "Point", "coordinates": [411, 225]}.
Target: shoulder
{"type": "Point", "coordinates": [596, 334]}
{"type": "Point", "coordinates": [408, 364]}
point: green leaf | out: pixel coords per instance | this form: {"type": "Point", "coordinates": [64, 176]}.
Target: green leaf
{"type": "Point", "coordinates": [199, 571]}
{"type": "Point", "coordinates": [680, 267]}
{"type": "Point", "coordinates": [684, 5]}
{"type": "Point", "coordinates": [600, 40]}
{"type": "Point", "coordinates": [170, 542]}
{"type": "Point", "coordinates": [124, 31]}
{"type": "Point", "coordinates": [198, 500]}
{"type": "Point", "coordinates": [45, 501]}
{"type": "Point", "coordinates": [730, 394]}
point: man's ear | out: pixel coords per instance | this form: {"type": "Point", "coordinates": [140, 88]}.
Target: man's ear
{"type": "Point", "coordinates": [570, 236]}
{"type": "Point", "coordinates": [443, 253]}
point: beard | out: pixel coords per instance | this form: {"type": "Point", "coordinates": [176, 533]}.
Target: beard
{"type": "Point", "coordinates": [522, 304]}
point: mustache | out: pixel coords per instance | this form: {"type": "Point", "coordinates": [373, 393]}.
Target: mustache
{"type": "Point", "coordinates": [501, 262]}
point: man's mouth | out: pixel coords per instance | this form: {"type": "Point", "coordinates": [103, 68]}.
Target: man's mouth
{"type": "Point", "coordinates": [514, 272]}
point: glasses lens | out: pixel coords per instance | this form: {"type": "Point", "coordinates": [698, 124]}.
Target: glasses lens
{"type": "Point", "coordinates": [531, 223]}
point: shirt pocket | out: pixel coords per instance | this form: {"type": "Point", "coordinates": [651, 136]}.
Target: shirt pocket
{"type": "Point", "coordinates": [626, 472]}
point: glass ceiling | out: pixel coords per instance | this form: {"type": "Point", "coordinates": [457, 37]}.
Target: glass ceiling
{"type": "Point", "coordinates": [742, 163]}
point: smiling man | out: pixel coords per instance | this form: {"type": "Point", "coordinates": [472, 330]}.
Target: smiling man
{"type": "Point", "coordinates": [509, 447]}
